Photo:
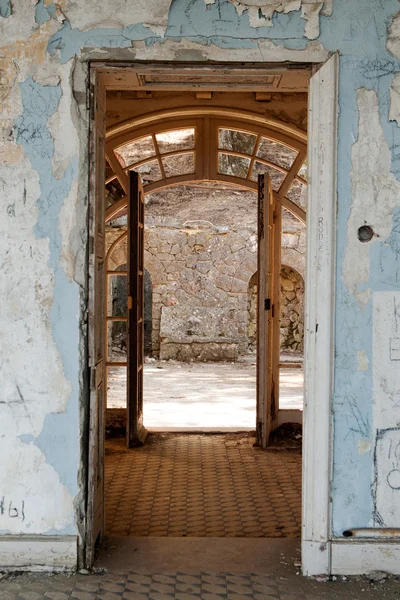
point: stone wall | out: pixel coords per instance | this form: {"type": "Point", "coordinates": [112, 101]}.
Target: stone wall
{"type": "Point", "coordinates": [204, 266]}
{"type": "Point", "coordinates": [292, 310]}
{"type": "Point", "coordinates": [201, 266]}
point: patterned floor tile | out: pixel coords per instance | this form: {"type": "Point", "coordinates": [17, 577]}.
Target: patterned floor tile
{"type": "Point", "coordinates": [284, 585]}
{"type": "Point", "coordinates": [202, 486]}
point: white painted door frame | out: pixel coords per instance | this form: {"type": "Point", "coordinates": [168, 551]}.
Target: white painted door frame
{"type": "Point", "coordinates": [319, 316]}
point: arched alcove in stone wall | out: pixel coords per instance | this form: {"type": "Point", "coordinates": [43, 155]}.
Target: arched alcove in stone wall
{"type": "Point", "coordinates": [292, 311]}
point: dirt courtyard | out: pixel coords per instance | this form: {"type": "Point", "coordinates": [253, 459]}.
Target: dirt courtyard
{"type": "Point", "coordinates": [204, 396]}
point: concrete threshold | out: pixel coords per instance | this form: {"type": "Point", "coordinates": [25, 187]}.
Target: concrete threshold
{"type": "Point", "coordinates": [195, 555]}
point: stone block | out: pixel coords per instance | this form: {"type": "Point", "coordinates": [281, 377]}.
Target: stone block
{"type": "Point", "coordinates": [199, 333]}
{"type": "Point", "coordinates": [226, 269]}
{"type": "Point", "coordinates": [224, 282]}
{"type": "Point", "coordinates": [204, 266]}
{"type": "Point", "coordinates": [287, 285]}
{"type": "Point", "coordinates": [238, 286]}
{"type": "Point", "coordinates": [201, 352]}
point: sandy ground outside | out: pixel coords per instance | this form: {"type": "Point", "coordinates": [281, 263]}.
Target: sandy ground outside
{"type": "Point", "coordinates": [203, 395]}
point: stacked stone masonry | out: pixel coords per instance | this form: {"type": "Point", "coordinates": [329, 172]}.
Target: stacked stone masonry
{"type": "Point", "coordinates": [204, 288]}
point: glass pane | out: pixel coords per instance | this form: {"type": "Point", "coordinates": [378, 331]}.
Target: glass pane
{"type": "Point", "coordinates": [109, 171]}
{"type": "Point", "coordinates": [178, 164]}
{"type": "Point", "coordinates": [116, 387]}
{"type": "Point", "coordinates": [298, 194]}
{"type": "Point", "coordinates": [118, 256]}
{"type": "Point", "coordinates": [117, 341]}
{"type": "Point", "coordinates": [276, 153]}
{"type": "Point", "coordinates": [117, 297]}
{"type": "Point", "coordinates": [114, 192]}
{"type": "Point", "coordinates": [238, 141]}
{"type": "Point", "coordinates": [277, 177]}
{"type": "Point", "coordinates": [304, 171]}
{"type": "Point", "coordinates": [135, 151]}
{"type": "Point", "coordinates": [149, 172]}
{"type": "Point", "coordinates": [181, 139]}
{"type": "Point", "coordinates": [237, 166]}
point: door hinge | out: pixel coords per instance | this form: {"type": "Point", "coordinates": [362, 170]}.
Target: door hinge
{"type": "Point", "coordinates": [90, 101]}
{"type": "Point", "coordinates": [130, 302]}
{"type": "Point", "coordinates": [267, 303]}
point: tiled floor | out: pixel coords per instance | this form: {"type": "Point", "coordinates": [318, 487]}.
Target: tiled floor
{"type": "Point", "coordinates": [184, 586]}
{"type": "Point", "coordinates": [202, 486]}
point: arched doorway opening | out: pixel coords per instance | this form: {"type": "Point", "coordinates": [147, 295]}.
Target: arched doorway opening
{"type": "Point", "coordinates": [173, 158]}
{"type": "Point", "coordinates": [200, 245]}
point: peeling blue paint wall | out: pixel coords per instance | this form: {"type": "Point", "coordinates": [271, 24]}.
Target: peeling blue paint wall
{"type": "Point", "coordinates": [358, 29]}
{"type": "Point", "coordinates": [57, 439]}
{"type": "Point", "coordinates": [44, 13]}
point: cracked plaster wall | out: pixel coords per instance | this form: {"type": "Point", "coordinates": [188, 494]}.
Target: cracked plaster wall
{"type": "Point", "coordinates": [44, 47]}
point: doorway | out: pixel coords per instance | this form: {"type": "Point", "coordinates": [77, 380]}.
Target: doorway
{"type": "Point", "coordinates": [210, 128]}
{"type": "Point", "coordinates": [199, 176]}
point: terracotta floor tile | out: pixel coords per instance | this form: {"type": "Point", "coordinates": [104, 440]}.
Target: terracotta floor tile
{"type": "Point", "coordinates": [202, 485]}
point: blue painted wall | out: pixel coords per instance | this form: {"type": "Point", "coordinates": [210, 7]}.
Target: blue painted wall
{"type": "Point", "coordinates": [57, 440]}
{"type": "Point", "coordinates": [358, 29]}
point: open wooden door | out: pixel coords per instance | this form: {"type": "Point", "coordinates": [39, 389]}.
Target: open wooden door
{"type": "Point", "coordinates": [265, 312]}
{"type": "Point", "coordinates": [135, 431]}
{"type": "Point", "coordinates": [95, 490]}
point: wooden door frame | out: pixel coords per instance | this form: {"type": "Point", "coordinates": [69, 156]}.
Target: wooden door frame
{"type": "Point", "coordinates": [267, 354]}
{"type": "Point", "coordinates": [135, 432]}
{"type": "Point", "coordinates": [320, 311]}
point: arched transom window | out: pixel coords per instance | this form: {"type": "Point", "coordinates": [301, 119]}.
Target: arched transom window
{"type": "Point", "coordinates": [232, 147]}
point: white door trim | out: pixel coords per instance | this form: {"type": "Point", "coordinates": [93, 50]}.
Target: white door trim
{"type": "Point", "coordinates": [38, 553]}
{"type": "Point", "coordinates": [319, 318]}
{"type": "Point", "coordinates": [319, 322]}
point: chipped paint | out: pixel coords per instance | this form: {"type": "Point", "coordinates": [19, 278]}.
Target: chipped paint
{"type": "Point", "coordinates": [28, 413]}
{"type": "Point", "coordinates": [5, 8]}
{"type": "Point", "coordinates": [375, 193]}
{"type": "Point", "coordinates": [152, 14]}
{"type": "Point", "coordinates": [364, 447]}
{"type": "Point", "coordinates": [261, 12]}
{"type": "Point", "coordinates": [393, 38]}
{"type": "Point", "coordinates": [45, 11]}
{"type": "Point", "coordinates": [362, 361]}
{"type": "Point", "coordinates": [394, 112]}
